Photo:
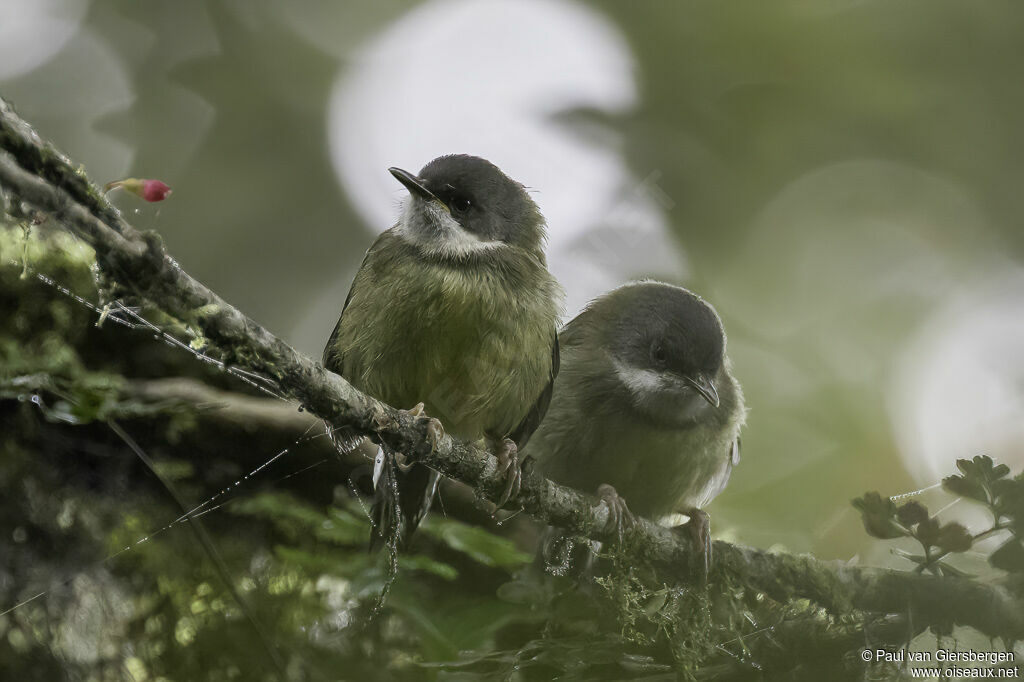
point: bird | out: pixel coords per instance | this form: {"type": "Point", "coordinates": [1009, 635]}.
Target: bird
{"type": "Point", "coordinates": [645, 410]}
{"type": "Point", "coordinates": [453, 311]}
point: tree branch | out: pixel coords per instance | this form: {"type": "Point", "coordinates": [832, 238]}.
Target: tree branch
{"type": "Point", "coordinates": [33, 172]}
{"type": "Point", "coordinates": [233, 416]}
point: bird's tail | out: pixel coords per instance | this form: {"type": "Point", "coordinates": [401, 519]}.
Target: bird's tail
{"type": "Point", "coordinates": [401, 501]}
{"type": "Point", "coordinates": [402, 497]}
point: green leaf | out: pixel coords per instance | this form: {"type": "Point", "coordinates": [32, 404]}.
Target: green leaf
{"type": "Point", "coordinates": [332, 561]}
{"type": "Point", "coordinates": [1009, 494]}
{"type": "Point", "coordinates": [946, 569]}
{"type": "Point", "coordinates": [1009, 556]}
{"type": "Point", "coordinates": [928, 532]}
{"type": "Point", "coordinates": [909, 556]}
{"type": "Point", "coordinates": [427, 565]}
{"type": "Point", "coordinates": [174, 469]}
{"type": "Point", "coordinates": [478, 543]}
{"type": "Point", "coordinates": [953, 537]}
{"type": "Point", "coordinates": [978, 476]}
{"type": "Point", "coordinates": [655, 602]}
{"type": "Point", "coordinates": [879, 516]}
{"type": "Point", "coordinates": [965, 487]}
{"type": "Point", "coordinates": [525, 590]}
{"type": "Point", "coordinates": [912, 513]}
{"type": "Point", "coordinates": [297, 519]}
{"type": "Point", "coordinates": [342, 527]}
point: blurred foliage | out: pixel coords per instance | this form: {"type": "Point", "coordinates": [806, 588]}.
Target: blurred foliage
{"type": "Point", "coordinates": [836, 171]}
{"type": "Point", "coordinates": [981, 481]}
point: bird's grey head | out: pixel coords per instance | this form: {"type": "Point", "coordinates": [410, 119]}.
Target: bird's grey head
{"type": "Point", "coordinates": [667, 349]}
{"type": "Point", "coordinates": [462, 205]}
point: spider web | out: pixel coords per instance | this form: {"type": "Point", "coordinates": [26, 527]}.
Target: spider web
{"type": "Point", "coordinates": [131, 318]}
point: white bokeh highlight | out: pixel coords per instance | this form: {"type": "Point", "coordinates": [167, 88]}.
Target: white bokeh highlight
{"type": "Point", "coordinates": [960, 388]}
{"type": "Point", "coordinates": [33, 31]}
{"type": "Point", "coordinates": [486, 78]}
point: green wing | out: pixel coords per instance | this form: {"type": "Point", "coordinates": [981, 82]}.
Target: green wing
{"type": "Point", "coordinates": [533, 418]}
{"type": "Point", "coordinates": [332, 358]}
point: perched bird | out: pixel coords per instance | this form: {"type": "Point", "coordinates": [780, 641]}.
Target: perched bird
{"type": "Point", "coordinates": [645, 409]}
{"type": "Point", "coordinates": [453, 310]}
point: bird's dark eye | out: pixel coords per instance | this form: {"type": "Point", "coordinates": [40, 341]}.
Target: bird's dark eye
{"type": "Point", "coordinates": [459, 204]}
{"type": "Point", "coordinates": [658, 354]}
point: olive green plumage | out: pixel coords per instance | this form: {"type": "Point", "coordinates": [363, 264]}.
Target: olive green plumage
{"type": "Point", "coordinates": [453, 307]}
{"type": "Point", "coordinates": [625, 410]}
{"type": "Point", "coordinates": [471, 339]}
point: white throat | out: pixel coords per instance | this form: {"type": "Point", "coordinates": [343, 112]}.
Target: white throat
{"type": "Point", "coordinates": [643, 383]}
{"type": "Point", "coordinates": [661, 394]}
{"type": "Point", "coordinates": [433, 229]}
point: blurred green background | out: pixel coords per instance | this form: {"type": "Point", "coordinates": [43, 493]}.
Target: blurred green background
{"type": "Point", "coordinates": [835, 171]}
{"type": "Point", "coordinates": [840, 178]}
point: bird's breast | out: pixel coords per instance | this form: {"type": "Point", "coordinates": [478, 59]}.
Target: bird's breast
{"type": "Point", "coordinates": [657, 471]}
{"type": "Point", "coordinates": [476, 354]}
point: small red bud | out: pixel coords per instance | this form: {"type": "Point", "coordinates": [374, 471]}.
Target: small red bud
{"type": "Point", "coordinates": [150, 190]}
{"type": "Point", "coordinates": [154, 190]}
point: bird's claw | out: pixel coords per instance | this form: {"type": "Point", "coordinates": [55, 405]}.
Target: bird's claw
{"type": "Point", "coordinates": [698, 532]}
{"type": "Point", "coordinates": [380, 419]}
{"type": "Point", "coordinates": [416, 410]}
{"type": "Point", "coordinates": [508, 465]}
{"type": "Point", "coordinates": [619, 515]}
{"type": "Point", "coordinates": [435, 432]}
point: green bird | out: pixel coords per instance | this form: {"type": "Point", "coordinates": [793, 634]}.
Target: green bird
{"type": "Point", "coordinates": [645, 409]}
{"type": "Point", "coordinates": [454, 311]}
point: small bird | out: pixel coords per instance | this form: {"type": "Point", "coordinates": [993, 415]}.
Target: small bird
{"type": "Point", "coordinates": [645, 409]}
{"type": "Point", "coordinates": [454, 311]}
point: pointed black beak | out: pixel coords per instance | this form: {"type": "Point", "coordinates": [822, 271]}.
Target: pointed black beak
{"type": "Point", "coordinates": [705, 387]}
{"type": "Point", "coordinates": [412, 183]}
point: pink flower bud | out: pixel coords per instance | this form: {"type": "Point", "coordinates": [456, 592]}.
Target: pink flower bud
{"type": "Point", "coordinates": [154, 190]}
{"type": "Point", "coordinates": [150, 190]}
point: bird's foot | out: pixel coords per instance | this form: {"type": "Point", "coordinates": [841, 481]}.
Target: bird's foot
{"type": "Point", "coordinates": [698, 532]}
{"type": "Point", "coordinates": [619, 515]}
{"type": "Point", "coordinates": [416, 410]}
{"type": "Point", "coordinates": [380, 418]}
{"type": "Point", "coordinates": [508, 464]}
{"type": "Point", "coordinates": [435, 430]}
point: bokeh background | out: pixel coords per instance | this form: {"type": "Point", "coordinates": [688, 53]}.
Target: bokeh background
{"type": "Point", "coordinates": [840, 178]}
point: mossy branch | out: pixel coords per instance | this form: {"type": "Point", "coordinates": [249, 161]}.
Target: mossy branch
{"type": "Point", "coordinates": [33, 172]}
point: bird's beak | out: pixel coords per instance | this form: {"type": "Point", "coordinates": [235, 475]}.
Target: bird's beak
{"type": "Point", "coordinates": [413, 184]}
{"type": "Point", "coordinates": [705, 387]}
